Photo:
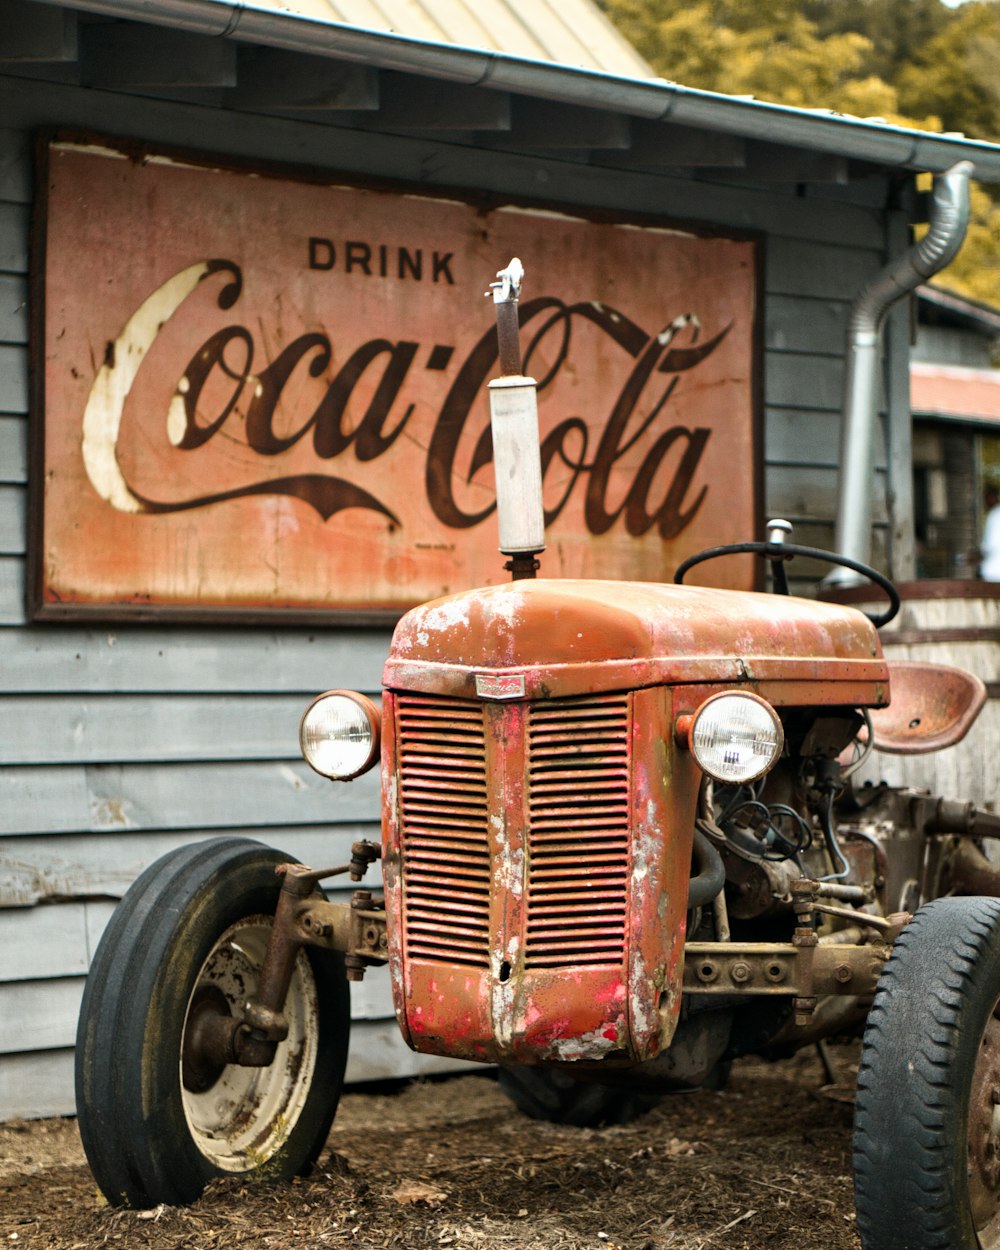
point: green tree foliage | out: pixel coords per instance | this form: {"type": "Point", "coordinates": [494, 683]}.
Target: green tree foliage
{"type": "Point", "coordinates": [910, 62]}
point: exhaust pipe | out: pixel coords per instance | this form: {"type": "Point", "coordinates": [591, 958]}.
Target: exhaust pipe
{"type": "Point", "coordinates": [948, 222]}
{"type": "Point", "coordinates": [517, 456]}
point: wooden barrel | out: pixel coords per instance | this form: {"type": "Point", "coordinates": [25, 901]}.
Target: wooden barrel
{"type": "Point", "coordinates": [946, 622]}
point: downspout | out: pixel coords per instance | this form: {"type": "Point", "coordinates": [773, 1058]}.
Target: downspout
{"type": "Point", "coordinates": [949, 218]}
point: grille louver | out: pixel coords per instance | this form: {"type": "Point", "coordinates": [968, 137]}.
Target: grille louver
{"type": "Point", "coordinates": [446, 864]}
{"type": "Point", "coordinates": [578, 832]}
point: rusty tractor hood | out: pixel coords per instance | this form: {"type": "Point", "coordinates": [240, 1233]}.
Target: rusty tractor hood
{"type": "Point", "coordinates": [546, 638]}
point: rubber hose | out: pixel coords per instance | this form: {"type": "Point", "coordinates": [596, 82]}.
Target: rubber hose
{"type": "Point", "coordinates": [711, 872]}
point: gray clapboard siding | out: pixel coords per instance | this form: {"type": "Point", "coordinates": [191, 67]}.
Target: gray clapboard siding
{"type": "Point", "coordinates": [141, 659]}
{"type": "Point", "coordinates": [13, 449]}
{"type": "Point", "coordinates": [95, 866]}
{"type": "Point", "coordinates": [12, 590]}
{"type": "Point", "coordinates": [14, 223]}
{"type": "Point", "coordinates": [115, 798]}
{"type": "Point", "coordinates": [34, 1085]}
{"type": "Point", "coordinates": [39, 1015]}
{"type": "Point", "coordinates": [793, 436]}
{"type": "Point", "coordinates": [42, 1014]}
{"type": "Point", "coordinates": [63, 729]}
{"type": "Point", "coordinates": [792, 492]}
{"type": "Point", "coordinates": [13, 518]}
{"type": "Point", "coordinates": [796, 323]}
{"type": "Point", "coordinates": [805, 382]}
{"type": "Point", "coordinates": [13, 309]}
{"type": "Point", "coordinates": [805, 267]}
{"type": "Point", "coordinates": [13, 377]}
{"type": "Point", "coordinates": [55, 941]}
{"type": "Point", "coordinates": [15, 166]}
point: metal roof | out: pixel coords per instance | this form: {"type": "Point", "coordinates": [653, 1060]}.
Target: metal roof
{"type": "Point", "coordinates": [515, 101]}
{"type": "Point", "coordinates": [571, 32]}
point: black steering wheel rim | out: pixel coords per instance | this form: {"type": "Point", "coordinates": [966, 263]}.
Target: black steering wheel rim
{"type": "Point", "coordinates": [783, 551]}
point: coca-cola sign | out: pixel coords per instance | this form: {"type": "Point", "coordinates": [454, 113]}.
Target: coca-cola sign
{"type": "Point", "coordinates": [268, 394]}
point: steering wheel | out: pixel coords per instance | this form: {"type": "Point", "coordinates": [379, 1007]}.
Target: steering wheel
{"type": "Point", "coordinates": [778, 551]}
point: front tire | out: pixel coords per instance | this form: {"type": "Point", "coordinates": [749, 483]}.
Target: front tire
{"type": "Point", "coordinates": [927, 1116]}
{"type": "Point", "coordinates": [187, 937]}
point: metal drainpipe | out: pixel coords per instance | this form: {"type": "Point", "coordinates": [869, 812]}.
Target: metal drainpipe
{"type": "Point", "coordinates": [948, 221]}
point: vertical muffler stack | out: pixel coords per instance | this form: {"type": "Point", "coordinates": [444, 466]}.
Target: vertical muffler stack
{"type": "Point", "coordinates": [514, 422]}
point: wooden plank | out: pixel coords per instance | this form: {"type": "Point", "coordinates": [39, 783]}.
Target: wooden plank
{"type": "Point", "coordinates": [15, 166]}
{"type": "Point", "coordinates": [28, 105]}
{"type": "Point", "coordinates": [88, 866]}
{"type": "Point", "coordinates": [550, 125]}
{"type": "Point", "coordinates": [811, 493]}
{"type": "Point", "coordinates": [806, 382]}
{"type": "Point", "coordinates": [796, 437]}
{"type": "Point", "coordinates": [100, 729]}
{"type": "Point", "coordinates": [409, 103]}
{"type": "Point", "coordinates": [113, 798]}
{"type": "Point", "coordinates": [36, 32]}
{"type": "Point", "coordinates": [13, 309]}
{"type": "Point", "coordinates": [39, 1015]}
{"type": "Point", "coordinates": [13, 378]}
{"type": "Point", "coordinates": [13, 449]}
{"type": "Point", "coordinates": [14, 226]}
{"type": "Point", "coordinates": [36, 1086]}
{"type": "Point", "coordinates": [819, 270]}
{"type": "Point", "coordinates": [660, 145]}
{"type": "Point", "coordinates": [11, 590]}
{"type": "Point", "coordinates": [274, 77]}
{"type": "Point", "coordinates": [145, 658]}
{"type": "Point", "coordinates": [55, 941]}
{"type": "Point", "coordinates": [125, 56]}
{"type": "Point", "coordinates": [799, 324]}
{"type": "Point", "coordinates": [772, 163]}
{"type": "Point", "coordinates": [13, 508]}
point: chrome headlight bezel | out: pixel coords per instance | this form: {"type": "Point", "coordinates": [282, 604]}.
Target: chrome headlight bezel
{"type": "Point", "coordinates": [360, 726]}
{"type": "Point", "coordinates": [742, 723]}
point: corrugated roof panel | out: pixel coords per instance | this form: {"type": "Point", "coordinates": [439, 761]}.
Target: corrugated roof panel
{"type": "Point", "coordinates": [572, 32]}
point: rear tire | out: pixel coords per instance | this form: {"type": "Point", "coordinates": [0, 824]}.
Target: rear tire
{"type": "Point", "coordinates": [927, 1116]}
{"type": "Point", "coordinates": [553, 1095]}
{"type": "Point", "coordinates": [192, 930]}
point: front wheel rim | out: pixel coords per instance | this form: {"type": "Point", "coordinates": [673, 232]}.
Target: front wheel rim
{"type": "Point", "coordinates": [243, 1119]}
{"type": "Point", "coordinates": [984, 1136]}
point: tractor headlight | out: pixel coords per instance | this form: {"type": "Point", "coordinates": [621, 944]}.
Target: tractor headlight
{"type": "Point", "coordinates": [736, 737]}
{"type": "Point", "coordinates": [340, 733]}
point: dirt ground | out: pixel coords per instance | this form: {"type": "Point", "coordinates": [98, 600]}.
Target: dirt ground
{"type": "Point", "coordinates": [763, 1164]}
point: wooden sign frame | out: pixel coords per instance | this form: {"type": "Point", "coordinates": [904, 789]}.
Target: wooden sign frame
{"type": "Point", "coordinates": [261, 396]}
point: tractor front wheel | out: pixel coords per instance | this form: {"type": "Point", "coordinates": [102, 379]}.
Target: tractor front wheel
{"type": "Point", "coordinates": [158, 1118]}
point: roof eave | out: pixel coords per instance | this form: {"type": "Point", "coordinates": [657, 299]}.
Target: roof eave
{"type": "Point", "coordinates": [654, 99]}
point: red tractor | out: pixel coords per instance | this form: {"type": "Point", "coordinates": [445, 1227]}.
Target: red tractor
{"type": "Point", "coordinates": [622, 845]}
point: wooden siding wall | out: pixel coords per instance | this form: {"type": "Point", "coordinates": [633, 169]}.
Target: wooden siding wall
{"type": "Point", "coordinates": [117, 744]}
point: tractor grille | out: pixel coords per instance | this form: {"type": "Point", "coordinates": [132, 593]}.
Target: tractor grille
{"type": "Point", "coordinates": [446, 862]}
{"type": "Point", "coordinates": [578, 832]}
{"type": "Point", "coordinates": [576, 829]}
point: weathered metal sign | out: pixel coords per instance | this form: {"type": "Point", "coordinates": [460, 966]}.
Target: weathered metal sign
{"type": "Point", "coordinates": [267, 394]}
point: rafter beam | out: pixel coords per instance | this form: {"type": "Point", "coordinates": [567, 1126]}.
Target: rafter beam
{"type": "Point", "coordinates": [121, 55]}
{"type": "Point", "coordinates": [274, 78]}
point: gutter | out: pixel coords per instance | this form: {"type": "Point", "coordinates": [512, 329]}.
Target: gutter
{"type": "Point", "coordinates": [653, 99]}
{"type": "Point", "coordinates": [949, 219]}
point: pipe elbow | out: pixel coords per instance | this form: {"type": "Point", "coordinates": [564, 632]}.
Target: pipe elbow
{"type": "Point", "coordinates": [949, 221]}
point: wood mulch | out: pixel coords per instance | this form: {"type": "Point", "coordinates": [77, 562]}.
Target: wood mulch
{"type": "Point", "coordinates": [451, 1163]}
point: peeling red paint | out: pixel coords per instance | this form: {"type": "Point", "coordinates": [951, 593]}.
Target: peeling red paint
{"type": "Point", "coordinates": [538, 850]}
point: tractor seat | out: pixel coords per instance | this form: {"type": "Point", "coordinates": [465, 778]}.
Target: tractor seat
{"type": "Point", "coordinates": [933, 706]}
